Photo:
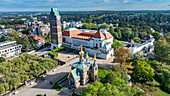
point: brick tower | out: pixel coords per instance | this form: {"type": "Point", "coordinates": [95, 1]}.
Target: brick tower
{"type": "Point", "coordinates": [55, 28]}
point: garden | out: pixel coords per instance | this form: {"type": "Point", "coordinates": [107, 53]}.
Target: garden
{"type": "Point", "coordinates": [14, 73]}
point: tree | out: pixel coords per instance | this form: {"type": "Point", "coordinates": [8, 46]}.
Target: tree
{"type": "Point", "coordinates": [93, 89]}
{"type": "Point", "coordinates": [136, 39]}
{"type": "Point", "coordinates": [156, 35]}
{"type": "Point", "coordinates": [2, 89]}
{"type": "Point", "coordinates": [126, 33]}
{"type": "Point", "coordinates": [143, 71]}
{"type": "Point", "coordinates": [122, 55]}
{"type": "Point", "coordinates": [104, 26]}
{"type": "Point", "coordinates": [6, 86]}
{"type": "Point", "coordinates": [25, 30]}
{"type": "Point", "coordinates": [142, 34]}
{"type": "Point", "coordinates": [2, 59]}
{"type": "Point", "coordinates": [168, 37]}
{"type": "Point", "coordinates": [110, 77]}
{"type": "Point", "coordinates": [26, 46]}
{"type": "Point", "coordinates": [165, 79]}
{"type": "Point", "coordinates": [2, 39]}
{"type": "Point", "coordinates": [162, 51]}
{"type": "Point", "coordinates": [115, 35]}
{"type": "Point", "coordinates": [90, 26]}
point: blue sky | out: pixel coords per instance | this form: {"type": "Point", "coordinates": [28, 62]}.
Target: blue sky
{"type": "Point", "coordinates": [83, 5]}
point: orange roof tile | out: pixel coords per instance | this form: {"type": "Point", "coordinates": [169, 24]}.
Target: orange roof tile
{"type": "Point", "coordinates": [71, 33]}
{"type": "Point", "coordinates": [98, 34]}
{"type": "Point", "coordinates": [87, 34]}
{"type": "Point", "coordinates": [38, 39]}
{"type": "Point", "coordinates": [108, 35]}
{"type": "Point", "coordinates": [82, 37]}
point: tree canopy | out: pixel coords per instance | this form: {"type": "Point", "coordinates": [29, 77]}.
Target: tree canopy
{"type": "Point", "coordinates": [143, 71]}
{"type": "Point", "coordinates": [162, 51]}
{"type": "Point", "coordinates": [122, 55]}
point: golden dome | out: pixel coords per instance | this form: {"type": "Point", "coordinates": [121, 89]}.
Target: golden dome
{"type": "Point", "coordinates": [81, 52]}
{"type": "Point", "coordinates": [87, 55]}
{"type": "Point", "coordinates": [94, 57]}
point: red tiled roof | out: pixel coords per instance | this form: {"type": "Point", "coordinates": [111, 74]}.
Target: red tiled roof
{"type": "Point", "coordinates": [82, 37]}
{"type": "Point", "coordinates": [38, 39]}
{"type": "Point", "coordinates": [108, 35]}
{"type": "Point", "coordinates": [71, 33]}
{"type": "Point", "coordinates": [98, 34]}
{"type": "Point", "coordinates": [87, 34]}
{"type": "Point", "coordinates": [131, 41]}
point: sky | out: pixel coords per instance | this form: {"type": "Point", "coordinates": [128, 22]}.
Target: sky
{"type": "Point", "coordinates": [82, 5]}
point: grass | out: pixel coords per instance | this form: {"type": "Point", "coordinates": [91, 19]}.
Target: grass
{"type": "Point", "coordinates": [102, 72]}
{"type": "Point", "coordinates": [56, 86]}
{"type": "Point", "coordinates": [121, 42]}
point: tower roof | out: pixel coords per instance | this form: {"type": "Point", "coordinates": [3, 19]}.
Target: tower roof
{"type": "Point", "coordinates": [56, 13]}
{"type": "Point", "coordinates": [98, 35]}
{"type": "Point", "coordinates": [104, 47]}
{"type": "Point", "coordinates": [108, 35]}
{"type": "Point", "coordinates": [131, 41]}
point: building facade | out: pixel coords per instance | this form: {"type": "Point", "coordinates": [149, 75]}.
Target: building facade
{"type": "Point", "coordinates": [83, 71]}
{"type": "Point", "coordinates": [145, 47]}
{"type": "Point", "coordinates": [10, 49]}
{"type": "Point", "coordinates": [95, 42]}
{"type": "Point", "coordinates": [55, 28]}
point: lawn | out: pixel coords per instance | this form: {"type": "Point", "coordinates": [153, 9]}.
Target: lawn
{"type": "Point", "coordinates": [56, 86]}
{"type": "Point", "coordinates": [102, 72]}
{"type": "Point", "coordinates": [121, 42]}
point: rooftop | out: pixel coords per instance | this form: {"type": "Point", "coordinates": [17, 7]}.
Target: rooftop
{"type": "Point", "coordinates": [81, 66]}
{"type": "Point", "coordinates": [82, 37]}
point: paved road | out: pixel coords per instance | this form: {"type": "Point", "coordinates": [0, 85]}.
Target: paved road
{"type": "Point", "coordinates": [43, 87]}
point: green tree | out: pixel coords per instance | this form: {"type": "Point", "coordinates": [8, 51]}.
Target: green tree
{"type": "Point", "coordinates": [6, 86]}
{"type": "Point", "coordinates": [2, 89]}
{"type": "Point", "coordinates": [136, 39]}
{"type": "Point", "coordinates": [122, 55]}
{"type": "Point", "coordinates": [2, 59]}
{"type": "Point", "coordinates": [142, 34]}
{"type": "Point", "coordinates": [162, 51]}
{"type": "Point", "coordinates": [143, 71]}
{"type": "Point", "coordinates": [166, 79]}
{"type": "Point", "coordinates": [104, 26]}
{"type": "Point", "coordinates": [168, 37]}
{"type": "Point", "coordinates": [26, 46]}
{"type": "Point", "coordinates": [156, 35]}
{"type": "Point", "coordinates": [126, 33]}
{"type": "Point", "coordinates": [93, 89]}
{"type": "Point", "coordinates": [90, 26]}
{"type": "Point", "coordinates": [2, 39]}
{"type": "Point", "coordinates": [25, 30]}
